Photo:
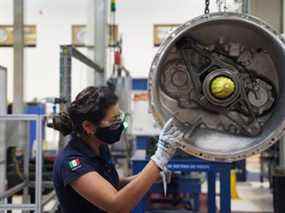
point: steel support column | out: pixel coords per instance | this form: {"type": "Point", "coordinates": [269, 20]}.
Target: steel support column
{"type": "Point", "coordinates": [39, 165]}
{"type": "Point", "coordinates": [18, 90]}
{"type": "Point", "coordinates": [101, 9]}
{"type": "Point", "coordinates": [282, 141]}
{"type": "Point", "coordinates": [18, 56]}
{"type": "Point", "coordinates": [246, 6]}
{"type": "Point", "coordinates": [90, 40]}
{"type": "Point", "coordinates": [65, 73]}
{"type": "Point", "coordinates": [3, 144]}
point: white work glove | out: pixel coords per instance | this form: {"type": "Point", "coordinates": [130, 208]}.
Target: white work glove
{"type": "Point", "coordinates": [167, 144]}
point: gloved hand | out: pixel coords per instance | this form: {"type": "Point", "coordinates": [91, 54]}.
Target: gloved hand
{"type": "Point", "coordinates": [167, 144]}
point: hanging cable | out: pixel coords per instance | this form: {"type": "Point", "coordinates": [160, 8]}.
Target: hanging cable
{"type": "Point", "coordinates": [112, 32]}
{"type": "Point", "coordinates": [113, 25]}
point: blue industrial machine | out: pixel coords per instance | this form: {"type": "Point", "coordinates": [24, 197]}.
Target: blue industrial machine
{"type": "Point", "coordinates": [191, 186]}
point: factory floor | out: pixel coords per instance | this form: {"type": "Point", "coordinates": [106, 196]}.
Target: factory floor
{"type": "Point", "coordinates": [253, 196]}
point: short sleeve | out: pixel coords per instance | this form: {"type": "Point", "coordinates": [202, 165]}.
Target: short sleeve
{"type": "Point", "coordinates": [75, 167]}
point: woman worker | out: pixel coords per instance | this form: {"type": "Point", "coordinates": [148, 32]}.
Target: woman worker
{"type": "Point", "coordinates": [84, 177]}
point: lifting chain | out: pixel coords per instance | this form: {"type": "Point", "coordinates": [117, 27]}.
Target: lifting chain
{"type": "Point", "coordinates": [207, 5]}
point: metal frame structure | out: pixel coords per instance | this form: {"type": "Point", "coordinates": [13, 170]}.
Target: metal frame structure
{"type": "Point", "coordinates": [67, 52]}
{"type": "Point", "coordinates": [100, 32]}
{"type": "Point", "coordinates": [39, 202]}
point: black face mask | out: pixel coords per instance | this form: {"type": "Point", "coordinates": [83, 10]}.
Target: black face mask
{"type": "Point", "coordinates": [110, 134]}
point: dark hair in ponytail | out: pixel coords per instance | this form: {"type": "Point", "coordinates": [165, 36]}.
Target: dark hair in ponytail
{"type": "Point", "coordinates": [91, 104]}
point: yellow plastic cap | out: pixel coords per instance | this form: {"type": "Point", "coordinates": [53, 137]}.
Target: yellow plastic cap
{"type": "Point", "coordinates": [222, 87]}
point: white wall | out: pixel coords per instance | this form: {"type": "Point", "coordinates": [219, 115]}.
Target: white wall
{"type": "Point", "coordinates": [136, 19]}
{"type": "Point", "coordinates": [54, 19]}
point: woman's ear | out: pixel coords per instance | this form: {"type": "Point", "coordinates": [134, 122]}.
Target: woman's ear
{"type": "Point", "coordinates": [88, 127]}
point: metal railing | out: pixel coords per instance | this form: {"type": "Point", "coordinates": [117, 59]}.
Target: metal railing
{"type": "Point", "coordinates": [39, 201]}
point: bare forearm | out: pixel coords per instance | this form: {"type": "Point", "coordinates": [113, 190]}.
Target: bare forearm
{"type": "Point", "coordinates": [128, 197]}
{"type": "Point", "coordinates": [101, 193]}
{"type": "Point", "coordinates": [125, 180]}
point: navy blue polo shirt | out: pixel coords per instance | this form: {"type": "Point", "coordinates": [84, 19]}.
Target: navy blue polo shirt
{"type": "Point", "coordinates": [75, 160]}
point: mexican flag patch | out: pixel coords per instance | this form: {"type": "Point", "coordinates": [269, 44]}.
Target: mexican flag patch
{"type": "Point", "coordinates": [74, 164]}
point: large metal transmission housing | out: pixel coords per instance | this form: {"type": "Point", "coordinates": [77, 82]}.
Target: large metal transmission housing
{"type": "Point", "coordinates": [241, 48]}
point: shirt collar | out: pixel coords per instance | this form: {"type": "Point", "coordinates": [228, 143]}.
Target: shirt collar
{"type": "Point", "coordinates": [77, 143]}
